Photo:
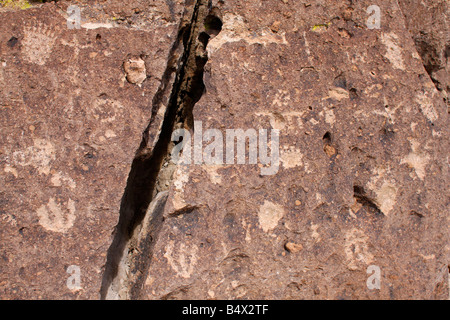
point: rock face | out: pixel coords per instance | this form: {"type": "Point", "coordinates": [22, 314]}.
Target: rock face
{"type": "Point", "coordinates": [339, 193]}
{"type": "Point", "coordinates": [71, 123]}
{"type": "Point", "coordinates": [428, 22]}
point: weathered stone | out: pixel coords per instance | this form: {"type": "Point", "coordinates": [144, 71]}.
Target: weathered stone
{"type": "Point", "coordinates": [361, 181]}
{"type": "Point", "coordinates": [135, 70]}
{"type": "Point", "coordinates": [293, 247]}
{"type": "Point", "coordinates": [71, 124]}
{"type": "Point", "coordinates": [428, 22]}
{"type": "Point", "coordinates": [360, 123]}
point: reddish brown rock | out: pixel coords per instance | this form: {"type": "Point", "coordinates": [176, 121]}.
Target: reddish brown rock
{"type": "Point", "coordinates": [427, 22]}
{"type": "Point", "coordinates": [71, 124]}
{"type": "Point", "coordinates": [360, 122]}
{"type": "Point", "coordinates": [356, 185]}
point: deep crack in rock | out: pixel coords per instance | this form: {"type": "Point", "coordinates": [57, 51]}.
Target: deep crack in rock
{"type": "Point", "coordinates": [145, 195]}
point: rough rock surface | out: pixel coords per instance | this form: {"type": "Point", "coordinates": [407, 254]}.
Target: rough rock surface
{"type": "Point", "coordinates": [71, 123]}
{"type": "Point", "coordinates": [428, 24]}
{"type": "Point", "coordinates": [86, 177]}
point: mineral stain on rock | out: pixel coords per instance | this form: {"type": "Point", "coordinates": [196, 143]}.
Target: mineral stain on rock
{"type": "Point", "coordinates": [269, 215]}
{"type": "Point", "coordinates": [135, 70]}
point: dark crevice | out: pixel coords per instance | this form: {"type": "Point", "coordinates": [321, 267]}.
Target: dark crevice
{"type": "Point", "coordinates": [185, 210]}
{"type": "Point", "coordinates": [365, 201]}
{"type": "Point", "coordinates": [213, 22]}
{"type": "Point", "coordinates": [415, 213]}
{"type": "Point", "coordinates": [431, 59]}
{"type": "Point", "coordinates": [327, 138]}
{"type": "Point", "coordinates": [142, 205]}
{"type": "Point", "coordinates": [328, 146]}
{"type": "Point", "coordinates": [12, 42]}
{"type": "Point", "coordinates": [434, 55]}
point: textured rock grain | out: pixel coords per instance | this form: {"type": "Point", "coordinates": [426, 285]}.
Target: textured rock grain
{"type": "Point", "coordinates": [71, 124]}
{"type": "Point", "coordinates": [363, 150]}
{"type": "Point", "coordinates": [363, 166]}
